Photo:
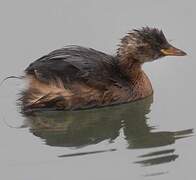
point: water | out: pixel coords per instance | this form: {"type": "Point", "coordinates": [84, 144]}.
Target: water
{"type": "Point", "coordinates": [148, 139]}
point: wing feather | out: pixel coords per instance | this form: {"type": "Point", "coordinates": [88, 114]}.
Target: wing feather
{"type": "Point", "coordinates": [75, 63]}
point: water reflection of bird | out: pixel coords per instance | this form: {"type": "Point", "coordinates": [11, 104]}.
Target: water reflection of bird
{"type": "Point", "coordinates": [81, 128]}
{"type": "Point", "coordinates": [78, 78]}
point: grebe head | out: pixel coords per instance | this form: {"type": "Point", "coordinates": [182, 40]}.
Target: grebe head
{"type": "Point", "coordinates": [146, 44]}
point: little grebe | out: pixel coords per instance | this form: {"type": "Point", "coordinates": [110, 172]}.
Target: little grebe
{"type": "Point", "coordinates": [75, 77]}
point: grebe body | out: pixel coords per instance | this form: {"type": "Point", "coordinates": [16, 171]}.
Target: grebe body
{"type": "Point", "coordinates": [75, 77]}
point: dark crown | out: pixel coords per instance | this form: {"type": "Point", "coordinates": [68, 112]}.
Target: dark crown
{"type": "Point", "coordinates": [153, 36]}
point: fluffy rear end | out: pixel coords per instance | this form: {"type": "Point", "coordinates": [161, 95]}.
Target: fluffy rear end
{"type": "Point", "coordinates": [42, 95]}
{"type": "Point", "coordinates": [55, 96]}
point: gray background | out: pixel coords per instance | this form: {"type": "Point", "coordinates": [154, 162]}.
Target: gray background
{"type": "Point", "coordinates": [30, 29]}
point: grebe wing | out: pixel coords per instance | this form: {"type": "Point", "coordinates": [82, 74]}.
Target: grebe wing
{"type": "Point", "coordinates": [74, 63]}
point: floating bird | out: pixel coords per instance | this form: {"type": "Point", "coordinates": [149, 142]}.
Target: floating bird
{"type": "Point", "coordinates": [76, 77]}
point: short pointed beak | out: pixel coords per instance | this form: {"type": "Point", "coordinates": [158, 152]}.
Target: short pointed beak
{"type": "Point", "coordinates": [172, 51]}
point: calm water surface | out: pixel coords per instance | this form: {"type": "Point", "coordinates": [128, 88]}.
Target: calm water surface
{"type": "Point", "coordinates": [148, 139]}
